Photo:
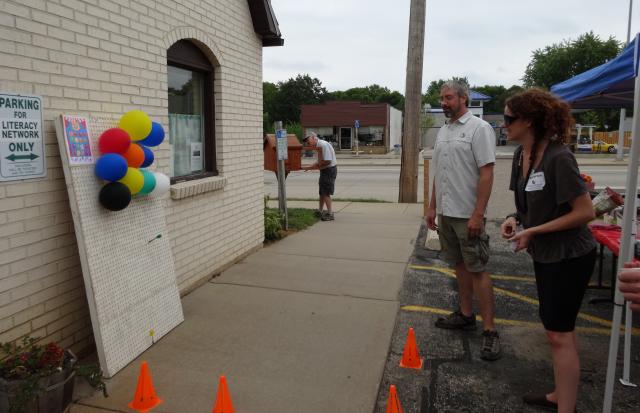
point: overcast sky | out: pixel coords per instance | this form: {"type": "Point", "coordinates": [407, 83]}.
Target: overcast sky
{"type": "Point", "coordinates": [351, 43]}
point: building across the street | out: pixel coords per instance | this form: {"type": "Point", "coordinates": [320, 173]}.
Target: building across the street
{"type": "Point", "coordinates": [372, 127]}
{"type": "Point", "coordinates": [195, 67]}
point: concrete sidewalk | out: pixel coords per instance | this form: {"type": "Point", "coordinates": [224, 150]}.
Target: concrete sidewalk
{"type": "Point", "coordinates": [303, 325]}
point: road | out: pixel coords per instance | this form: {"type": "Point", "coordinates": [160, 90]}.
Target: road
{"type": "Point", "coordinates": [613, 176]}
{"type": "Point", "coordinates": [353, 182]}
{"type": "Point", "coordinates": [381, 182]}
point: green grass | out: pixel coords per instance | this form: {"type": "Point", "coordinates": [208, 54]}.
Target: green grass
{"type": "Point", "coordinates": [301, 218]}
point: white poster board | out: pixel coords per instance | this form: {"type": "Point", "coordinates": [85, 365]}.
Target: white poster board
{"type": "Point", "coordinates": [126, 260]}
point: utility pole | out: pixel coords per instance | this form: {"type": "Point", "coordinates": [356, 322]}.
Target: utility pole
{"type": "Point", "coordinates": [412, 104]}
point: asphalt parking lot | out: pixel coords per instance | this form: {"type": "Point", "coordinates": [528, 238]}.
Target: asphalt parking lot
{"type": "Point", "coordinates": [455, 379]}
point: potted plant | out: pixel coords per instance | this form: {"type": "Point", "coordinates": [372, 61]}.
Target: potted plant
{"type": "Point", "coordinates": [39, 378]}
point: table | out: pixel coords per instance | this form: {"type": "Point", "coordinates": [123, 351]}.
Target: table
{"type": "Point", "coordinates": [607, 236]}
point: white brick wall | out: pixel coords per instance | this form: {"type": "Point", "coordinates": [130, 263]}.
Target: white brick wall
{"type": "Point", "coordinates": [101, 57]}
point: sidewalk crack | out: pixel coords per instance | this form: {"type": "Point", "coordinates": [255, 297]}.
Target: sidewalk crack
{"type": "Point", "coordinates": [290, 290]}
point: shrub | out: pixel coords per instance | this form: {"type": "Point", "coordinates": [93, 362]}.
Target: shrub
{"type": "Point", "coordinates": [272, 222]}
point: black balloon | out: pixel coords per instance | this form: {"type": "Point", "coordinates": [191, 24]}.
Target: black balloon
{"type": "Point", "coordinates": [115, 196]}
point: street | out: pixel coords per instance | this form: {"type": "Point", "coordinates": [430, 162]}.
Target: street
{"type": "Point", "coordinates": [613, 176]}
{"type": "Point", "coordinates": [353, 182]}
{"type": "Point", "coordinates": [381, 182]}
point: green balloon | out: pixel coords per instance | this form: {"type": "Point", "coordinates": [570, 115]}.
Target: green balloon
{"type": "Point", "coordinates": [149, 182]}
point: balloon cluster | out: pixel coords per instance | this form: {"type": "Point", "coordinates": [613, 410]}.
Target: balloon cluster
{"type": "Point", "coordinates": [125, 150]}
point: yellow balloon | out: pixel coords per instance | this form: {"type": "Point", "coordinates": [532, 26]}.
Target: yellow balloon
{"type": "Point", "coordinates": [134, 180]}
{"type": "Point", "coordinates": [136, 123]}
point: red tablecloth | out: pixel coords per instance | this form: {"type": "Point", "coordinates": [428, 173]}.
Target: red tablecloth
{"type": "Point", "coordinates": [609, 236]}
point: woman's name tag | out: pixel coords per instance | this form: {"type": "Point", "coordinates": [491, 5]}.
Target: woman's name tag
{"type": "Point", "coordinates": [536, 182]}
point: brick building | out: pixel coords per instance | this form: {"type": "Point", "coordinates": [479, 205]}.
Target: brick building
{"type": "Point", "coordinates": [175, 60]}
{"type": "Point", "coordinates": [379, 125]}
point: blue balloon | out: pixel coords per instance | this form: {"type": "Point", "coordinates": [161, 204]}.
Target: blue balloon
{"type": "Point", "coordinates": [111, 167]}
{"type": "Point", "coordinates": [155, 137]}
{"type": "Point", "coordinates": [148, 157]}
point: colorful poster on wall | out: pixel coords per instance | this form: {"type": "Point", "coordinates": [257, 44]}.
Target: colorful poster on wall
{"type": "Point", "coordinates": [76, 134]}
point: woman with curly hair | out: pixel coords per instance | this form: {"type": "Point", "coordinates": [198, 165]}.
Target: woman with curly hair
{"type": "Point", "coordinates": [553, 206]}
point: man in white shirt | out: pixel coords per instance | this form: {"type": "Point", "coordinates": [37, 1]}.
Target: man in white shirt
{"type": "Point", "coordinates": [464, 156]}
{"type": "Point", "coordinates": [328, 172]}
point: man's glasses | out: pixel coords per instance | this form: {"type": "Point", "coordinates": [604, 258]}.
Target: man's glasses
{"type": "Point", "coordinates": [508, 119]}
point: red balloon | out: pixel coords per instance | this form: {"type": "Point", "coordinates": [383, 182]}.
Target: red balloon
{"type": "Point", "coordinates": [114, 140]}
{"type": "Point", "coordinates": [134, 155]}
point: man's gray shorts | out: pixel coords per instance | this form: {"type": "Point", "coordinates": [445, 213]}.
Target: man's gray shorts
{"type": "Point", "coordinates": [327, 180]}
{"type": "Point", "coordinates": [457, 247]}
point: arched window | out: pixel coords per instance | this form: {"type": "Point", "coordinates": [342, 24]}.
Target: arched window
{"type": "Point", "coordinates": [191, 112]}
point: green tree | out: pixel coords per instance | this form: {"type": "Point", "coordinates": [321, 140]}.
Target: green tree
{"type": "Point", "coordinates": [293, 93]}
{"type": "Point", "coordinates": [432, 95]}
{"type": "Point", "coordinates": [560, 61]}
{"type": "Point", "coordinates": [563, 60]}
{"type": "Point", "coordinates": [499, 94]}
{"type": "Point", "coordinates": [269, 99]}
{"type": "Point", "coordinates": [370, 94]}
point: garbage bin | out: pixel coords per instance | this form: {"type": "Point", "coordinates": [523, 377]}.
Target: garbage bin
{"type": "Point", "coordinates": [396, 149]}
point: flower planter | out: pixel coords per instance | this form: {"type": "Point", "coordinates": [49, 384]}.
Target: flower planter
{"type": "Point", "coordinates": [54, 396]}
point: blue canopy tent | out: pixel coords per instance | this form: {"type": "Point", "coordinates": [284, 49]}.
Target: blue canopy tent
{"type": "Point", "coordinates": [615, 84]}
{"type": "Point", "coordinates": [608, 86]}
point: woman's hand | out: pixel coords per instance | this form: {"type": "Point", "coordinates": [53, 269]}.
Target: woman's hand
{"type": "Point", "coordinates": [522, 239]}
{"type": "Point", "coordinates": [508, 227]}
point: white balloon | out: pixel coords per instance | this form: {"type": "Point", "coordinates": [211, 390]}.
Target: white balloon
{"type": "Point", "coordinates": [162, 184]}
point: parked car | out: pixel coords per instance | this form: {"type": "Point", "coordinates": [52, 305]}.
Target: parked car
{"type": "Point", "coordinates": [601, 146]}
{"type": "Point", "coordinates": [586, 145]}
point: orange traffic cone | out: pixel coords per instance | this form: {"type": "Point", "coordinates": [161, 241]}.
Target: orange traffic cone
{"type": "Point", "coordinates": [223, 400]}
{"type": "Point", "coordinates": [393, 403]}
{"type": "Point", "coordinates": [145, 398]}
{"type": "Point", "coordinates": [410, 357]}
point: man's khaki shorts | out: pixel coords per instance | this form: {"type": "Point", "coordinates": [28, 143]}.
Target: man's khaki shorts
{"type": "Point", "coordinates": [457, 247]}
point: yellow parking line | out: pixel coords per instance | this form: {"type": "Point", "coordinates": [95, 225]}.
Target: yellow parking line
{"type": "Point", "coordinates": [508, 322]}
{"type": "Point", "coordinates": [516, 296]}
{"type": "Point", "coordinates": [493, 276]}
{"type": "Point", "coordinates": [588, 317]}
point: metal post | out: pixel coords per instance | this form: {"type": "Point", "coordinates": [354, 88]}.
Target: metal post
{"type": "Point", "coordinates": [282, 187]}
{"type": "Point", "coordinates": [357, 141]}
{"type": "Point", "coordinates": [626, 366]}
{"type": "Point", "coordinates": [629, 23]}
{"type": "Point", "coordinates": [620, 154]}
{"type": "Point", "coordinates": [426, 187]}
{"type": "Point", "coordinates": [623, 112]}
{"type": "Point", "coordinates": [625, 252]}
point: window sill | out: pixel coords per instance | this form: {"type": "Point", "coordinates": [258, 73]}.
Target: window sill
{"type": "Point", "coordinates": [197, 186]}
